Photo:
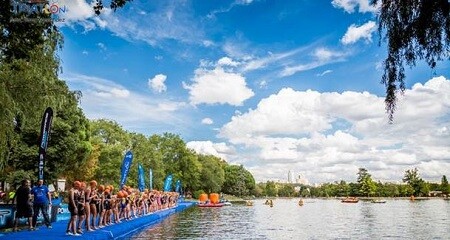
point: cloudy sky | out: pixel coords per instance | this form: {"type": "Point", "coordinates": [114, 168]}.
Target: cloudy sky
{"type": "Point", "coordinates": [273, 85]}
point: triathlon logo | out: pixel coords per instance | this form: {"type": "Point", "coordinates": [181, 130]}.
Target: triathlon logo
{"type": "Point", "coordinates": [33, 8]}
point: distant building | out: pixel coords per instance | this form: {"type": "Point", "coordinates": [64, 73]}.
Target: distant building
{"type": "Point", "coordinates": [290, 176]}
{"type": "Point", "coordinates": [301, 180]}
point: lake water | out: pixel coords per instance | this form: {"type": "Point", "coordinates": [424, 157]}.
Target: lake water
{"type": "Point", "coordinates": [316, 219]}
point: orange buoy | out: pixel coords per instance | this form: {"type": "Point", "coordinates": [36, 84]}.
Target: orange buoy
{"type": "Point", "coordinates": [203, 197]}
{"type": "Point", "coordinates": [214, 198]}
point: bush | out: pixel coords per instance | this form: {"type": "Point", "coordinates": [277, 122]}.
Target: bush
{"type": "Point", "coordinates": [197, 194]}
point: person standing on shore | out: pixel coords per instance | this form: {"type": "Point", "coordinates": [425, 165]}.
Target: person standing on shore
{"type": "Point", "coordinates": [41, 202]}
{"type": "Point", "coordinates": [23, 204]}
{"type": "Point", "coordinates": [81, 201]}
{"type": "Point", "coordinates": [74, 196]}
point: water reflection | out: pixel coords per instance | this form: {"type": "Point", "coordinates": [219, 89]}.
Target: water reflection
{"type": "Point", "coordinates": [316, 219]}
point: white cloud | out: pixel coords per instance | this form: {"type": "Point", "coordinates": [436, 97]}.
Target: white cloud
{"type": "Point", "coordinates": [355, 33]}
{"type": "Point", "coordinates": [174, 20]}
{"type": "Point", "coordinates": [103, 98]}
{"type": "Point", "coordinates": [101, 46]}
{"type": "Point", "coordinates": [320, 56]}
{"type": "Point", "coordinates": [226, 61]}
{"type": "Point", "coordinates": [213, 13]}
{"type": "Point", "coordinates": [218, 86]}
{"type": "Point", "coordinates": [328, 136]}
{"type": "Point", "coordinates": [76, 10]}
{"type": "Point", "coordinates": [350, 5]}
{"type": "Point", "coordinates": [258, 63]}
{"type": "Point", "coordinates": [221, 150]}
{"type": "Point", "coordinates": [263, 84]}
{"type": "Point", "coordinates": [207, 121]}
{"type": "Point", "coordinates": [324, 73]}
{"type": "Point", "coordinates": [157, 83]}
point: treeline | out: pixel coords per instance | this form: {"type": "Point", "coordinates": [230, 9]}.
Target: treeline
{"type": "Point", "coordinates": [79, 148]}
{"type": "Point", "coordinates": [365, 186]}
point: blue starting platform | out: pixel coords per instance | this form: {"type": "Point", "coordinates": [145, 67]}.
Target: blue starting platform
{"type": "Point", "coordinates": [115, 231]}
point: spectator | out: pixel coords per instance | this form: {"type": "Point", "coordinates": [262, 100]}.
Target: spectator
{"type": "Point", "coordinates": [42, 200]}
{"type": "Point", "coordinates": [23, 204]}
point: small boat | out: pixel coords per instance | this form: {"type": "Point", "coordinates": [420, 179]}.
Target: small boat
{"type": "Point", "coordinates": [350, 200]}
{"type": "Point", "coordinates": [378, 201]}
{"type": "Point", "coordinates": [213, 205]}
{"type": "Point", "coordinates": [227, 203]}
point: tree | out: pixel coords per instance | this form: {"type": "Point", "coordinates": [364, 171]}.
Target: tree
{"type": "Point", "coordinates": [271, 189]}
{"type": "Point", "coordinates": [113, 142]}
{"type": "Point", "coordinates": [445, 187]}
{"type": "Point", "coordinates": [189, 169]}
{"type": "Point", "coordinates": [343, 189]}
{"type": "Point", "coordinates": [416, 30]}
{"type": "Point", "coordinates": [287, 190]}
{"type": "Point", "coordinates": [32, 86]}
{"type": "Point", "coordinates": [367, 186]}
{"type": "Point", "coordinates": [238, 181]}
{"type": "Point", "coordinates": [212, 174]}
{"type": "Point", "coordinates": [414, 181]}
{"type": "Point", "coordinates": [114, 5]}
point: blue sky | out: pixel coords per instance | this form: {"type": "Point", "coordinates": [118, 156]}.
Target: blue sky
{"type": "Point", "coordinates": [276, 86]}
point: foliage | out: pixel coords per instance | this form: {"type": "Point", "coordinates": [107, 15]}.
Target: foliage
{"type": "Point", "coordinates": [271, 189]}
{"type": "Point", "coordinates": [32, 85]}
{"type": "Point", "coordinates": [197, 193]}
{"type": "Point", "coordinates": [287, 190]}
{"type": "Point", "coordinates": [444, 187]}
{"type": "Point", "coordinates": [113, 142]}
{"type": "Point", "coordinates": [114, 5]}
{"type": "Point", "coordinates": [238, 181]}
{"type": "Point", "coordinates": [367, 186]}
{"type": "Point", "coordinates": [416, 183]}
{"type": "Point", "coordinates": [212, 174]}
{"type": "Point", "coordinates": [418, 30]}
{"type": "Point", "coordinates": [15, 178]}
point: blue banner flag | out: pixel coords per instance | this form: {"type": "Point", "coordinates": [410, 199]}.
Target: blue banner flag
{"type": "Point", "coordinates": [178, 186]}
{"type": "Point", "coordinates": [141, 178]}
{"type": "Point", "coordinates": [43, 140]}
{"type": "Point", "coordinates": [151, 179]}
{"type": "Point", "coordinates": [126, 164]}
{"type": "Point", "coordinates": [168, 183]}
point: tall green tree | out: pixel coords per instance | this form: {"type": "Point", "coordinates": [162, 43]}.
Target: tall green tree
{"type": "Point", "coordinates": [113, 142]}
{"type": "Point", "coordinates": [343, 189]}
{"type": "Point", "coordinates": [445, 187]}
{"type": "Point", "coordinates": [367, 186]}
{"type": "Point", "coordinates": [416, 30]}
{"type": "Point", "coordinates": [212, 175]}
{"type": "Point", "coordinates": [33, 86]}
{"type": "Point", "coordinates": [156, 162]}
{"type": "Point", "coordinates": [271, 189]}
{"type": "Point", "coordinates": [189, 170]}
{"type": "Point", "coordinates": [238, 181]}
{"type": "Point", "coordinates": [413, 179]}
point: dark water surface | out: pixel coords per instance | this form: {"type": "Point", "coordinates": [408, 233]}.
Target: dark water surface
{"type": "Point", "coordinates": [316, 219]}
